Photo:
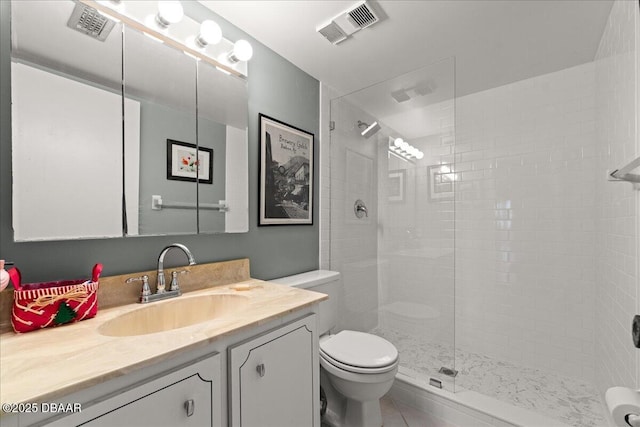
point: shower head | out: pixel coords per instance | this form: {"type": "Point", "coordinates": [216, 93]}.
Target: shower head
{"type": "Point", "coordinates": [370, 129]}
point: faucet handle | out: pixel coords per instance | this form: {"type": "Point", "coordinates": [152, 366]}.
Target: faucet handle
{"type": "Point", "coordinates": [146, 290]}
{"type": "Point", "coordinates": [174, 286]}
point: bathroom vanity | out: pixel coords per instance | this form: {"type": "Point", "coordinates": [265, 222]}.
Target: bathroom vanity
{"type": "Point", "coordinates": [253, 365]}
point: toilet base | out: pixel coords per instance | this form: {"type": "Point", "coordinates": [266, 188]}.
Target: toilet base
{"type": "Point", "coordinates": [343, 412]}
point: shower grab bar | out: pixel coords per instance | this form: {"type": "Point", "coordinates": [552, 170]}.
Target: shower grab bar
{"type": "Point", "coordinates": [157, 204]}
{"type": "Point", "coordinates": [623, 174]}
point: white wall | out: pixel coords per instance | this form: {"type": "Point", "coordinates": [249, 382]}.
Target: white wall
{"type": "Point", "coordinates": [354, 242]}
{"type": "Point", "coordinates": [237, 179]}
{"type": "Point", "coordinates": [525, 222]}
{"type": "Point", "coordinates": [618, 287]}
{"type": "Point", "coordinates": [326, 94]}
{"type": "Point", "coordinates": [81, 148]}
{"type": "Point", "coordinates": [416, 237]}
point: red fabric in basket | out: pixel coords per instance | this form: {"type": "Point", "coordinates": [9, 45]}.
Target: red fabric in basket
{"type": "Point", "coordinates": [41, 305]}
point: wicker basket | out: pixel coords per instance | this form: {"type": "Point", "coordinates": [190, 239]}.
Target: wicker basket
{"type": "Point", "coordinates": [46, 304]}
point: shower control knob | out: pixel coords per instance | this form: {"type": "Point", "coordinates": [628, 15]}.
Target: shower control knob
{"type": "Point", "coordinates": [635, 330]}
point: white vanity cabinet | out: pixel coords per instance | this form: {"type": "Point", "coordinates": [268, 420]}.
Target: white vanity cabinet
{"type": "Point", "coordinates": [185, 396]}
{"type": "Point", "coordinates": [265, 375]}
{"type": "Point", "coordinates": [274, 378]}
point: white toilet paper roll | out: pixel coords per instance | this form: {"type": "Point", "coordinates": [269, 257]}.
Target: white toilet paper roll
{"type": "Point", "coordinates": [621, 402]}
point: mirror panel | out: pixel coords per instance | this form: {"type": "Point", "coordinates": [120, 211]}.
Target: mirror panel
{"type": "Point", "coordinates": [67, 126]}
{"type": "Point", "coordinates": [222, 127]}
{"type": "Point", "coordinates": [70, 179]}
{"type": "Point", "coordinates": [160, 90]}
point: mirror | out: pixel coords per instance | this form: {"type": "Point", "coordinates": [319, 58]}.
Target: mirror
{"type": "Point", "coordinates": [162, 105]}
{"type": "Point", "coordinates": [222, 127]}
{"type": "Point", "coordinates": [159, 89]}
{"type": "Point", "coordinates": [67, 126]}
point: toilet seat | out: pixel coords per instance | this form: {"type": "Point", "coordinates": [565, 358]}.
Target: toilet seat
{"type": "Point", "coordinates": [359, 352]}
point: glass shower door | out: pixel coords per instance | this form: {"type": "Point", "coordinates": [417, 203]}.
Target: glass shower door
{"type": "Point", "coordinates": [392, 216]}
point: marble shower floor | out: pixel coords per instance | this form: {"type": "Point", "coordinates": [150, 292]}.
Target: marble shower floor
{"type": "Point", "coordinates": [566, 399]}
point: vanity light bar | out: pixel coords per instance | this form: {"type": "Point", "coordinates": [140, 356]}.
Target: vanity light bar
{"type": "Point", "coordinates": [171, 38]}
{"type": "Point", "coordinates": [404, 150]}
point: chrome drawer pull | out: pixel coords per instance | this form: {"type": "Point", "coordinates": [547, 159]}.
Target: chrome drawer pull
{"type": "Point", "coordinates": [189, 406]}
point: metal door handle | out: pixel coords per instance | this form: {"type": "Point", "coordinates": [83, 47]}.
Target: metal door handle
{"type": "Point", "coordinates": [260, 369]}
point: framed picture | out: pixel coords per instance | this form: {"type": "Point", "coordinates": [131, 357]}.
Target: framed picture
{"type": "Point", "coordinates": [441, 180]}
{"type": "Point", "coordinates": [396, 185]}
{"type": "Point", "coordinates": [184, 165]}
{"type": "Point", "coordinates": [286, 174]}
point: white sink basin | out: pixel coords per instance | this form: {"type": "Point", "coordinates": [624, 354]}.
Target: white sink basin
{"type": "Point", "coordinates": [173, 314]}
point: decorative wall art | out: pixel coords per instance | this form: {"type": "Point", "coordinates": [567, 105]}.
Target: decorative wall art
{"type": "Point", "coordinates": [441, 180]}
{"type": "Point", "coordinates": [183, 165]}
{"type": "Point", "coordinates": [286, 174]}
{"type": "Point", "coordinates": [396, 185]}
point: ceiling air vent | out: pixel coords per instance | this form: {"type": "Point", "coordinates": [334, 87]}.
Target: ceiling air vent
{"type": "Point", "coordinates": [348, 22]}
{"type": "Point", "coordinates": [363, 16]}
{"type": "Point", "coordinates": [89, 21]}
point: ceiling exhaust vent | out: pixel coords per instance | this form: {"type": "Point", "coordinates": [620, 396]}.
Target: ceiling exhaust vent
{"type": "Point", "coordinates": [333, 33]}
{"type": "Point", "coordinates": [347, 23]}
{"type": "Point", "coordinates": [89, 21]}
{"type": "Point", "coordinates": [363, 16]}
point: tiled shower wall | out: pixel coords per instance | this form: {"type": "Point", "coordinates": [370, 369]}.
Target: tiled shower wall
{"type": "Point", "coordinates": [617, 285]}
{"type": "Point", "coordinates": [526, 222]}
{"type": "Point", "coordinates": [546, 247]}
{"type": "Point", "coordinates": [354, 241]}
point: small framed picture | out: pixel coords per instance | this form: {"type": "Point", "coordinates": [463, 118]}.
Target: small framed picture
{"type": "Point", "coordinates": [184, 165]}
{"type": "Point", "coordinates": [441, 179]}
{"type": "Point", "coordinates": [286, 174]}
{"type": "Point", "coordinates": [396, 185]}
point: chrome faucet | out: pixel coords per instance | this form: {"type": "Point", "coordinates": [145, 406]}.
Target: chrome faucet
{"type": "Point", "coordinates": [161, 284]}
{"type": "Point", "coordinates": [161, 292]}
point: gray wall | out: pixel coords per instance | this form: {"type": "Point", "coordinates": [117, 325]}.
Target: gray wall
{"type": "Point", "coordinates": [276, 88]}
{"type": "Point", "coordinates": [157, 124]}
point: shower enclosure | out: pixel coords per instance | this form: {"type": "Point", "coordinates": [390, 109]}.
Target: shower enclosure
{"type": "Point", "coordinates": [469, 232]}
{"type": "Point", "coordinates": [392, 216]}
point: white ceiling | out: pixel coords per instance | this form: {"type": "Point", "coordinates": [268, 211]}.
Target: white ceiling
{"type": "Point", "coordinates": [494, 42]}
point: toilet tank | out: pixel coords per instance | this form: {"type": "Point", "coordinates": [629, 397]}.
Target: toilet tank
{"type": "Point", "coordinates": [324, 281]}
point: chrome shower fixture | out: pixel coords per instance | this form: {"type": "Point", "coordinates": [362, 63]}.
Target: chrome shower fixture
{"type": "Point", "coordinates": [370, 128]}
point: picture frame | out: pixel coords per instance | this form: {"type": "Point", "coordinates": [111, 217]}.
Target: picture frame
{"type": "Point", "coordinates": [396, 185]}
{"type": "Point", "coordinates": [286, 174]}
{"type": "Point", "coordinates": [183, 165]}
{"type": "Point", "coordinates": [441, 181]}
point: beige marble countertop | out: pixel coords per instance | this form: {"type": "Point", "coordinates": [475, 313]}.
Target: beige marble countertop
{"type": "Point", "coordinates": [51, 363]}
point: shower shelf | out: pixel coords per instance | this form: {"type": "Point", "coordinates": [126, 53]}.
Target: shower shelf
{"type": "Point", "coordinates": [623, 174]}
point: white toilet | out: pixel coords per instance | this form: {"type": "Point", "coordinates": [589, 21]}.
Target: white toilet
{"type": "Point", "coordinates": [356, 368]}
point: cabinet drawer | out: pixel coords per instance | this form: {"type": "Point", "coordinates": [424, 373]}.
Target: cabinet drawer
{"type": "Point", "coordinates": [184, 396]}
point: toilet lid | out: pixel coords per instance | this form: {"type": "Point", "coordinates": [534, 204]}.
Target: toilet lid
{"type": "Point", "coordinates": [359, 349]}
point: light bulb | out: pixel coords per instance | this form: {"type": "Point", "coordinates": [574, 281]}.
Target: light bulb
{"type": "Point", "coordinates": [169, 12]}
{"type": "Point", "coordinates": [398, 142]}
{"type": "Point", "coordinates": [210, 33]}
{"type": "Point", "coordinates": [413, 151]}
{"type": "Point", "coordinates": [242, 51]}
{"type": "Point", "coordinates": [404, 145]}
{"type": "Point", "coordinates": [419, 155]}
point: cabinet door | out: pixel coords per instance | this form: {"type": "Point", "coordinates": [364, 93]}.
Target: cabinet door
{"type": "Point", "coordinates": [186, 396]}
{"type": "Point", "coordinates": [273, 378]}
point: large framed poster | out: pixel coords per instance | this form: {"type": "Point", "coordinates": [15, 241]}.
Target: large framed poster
{"type": "Point", "coordinates": [286, 174]}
